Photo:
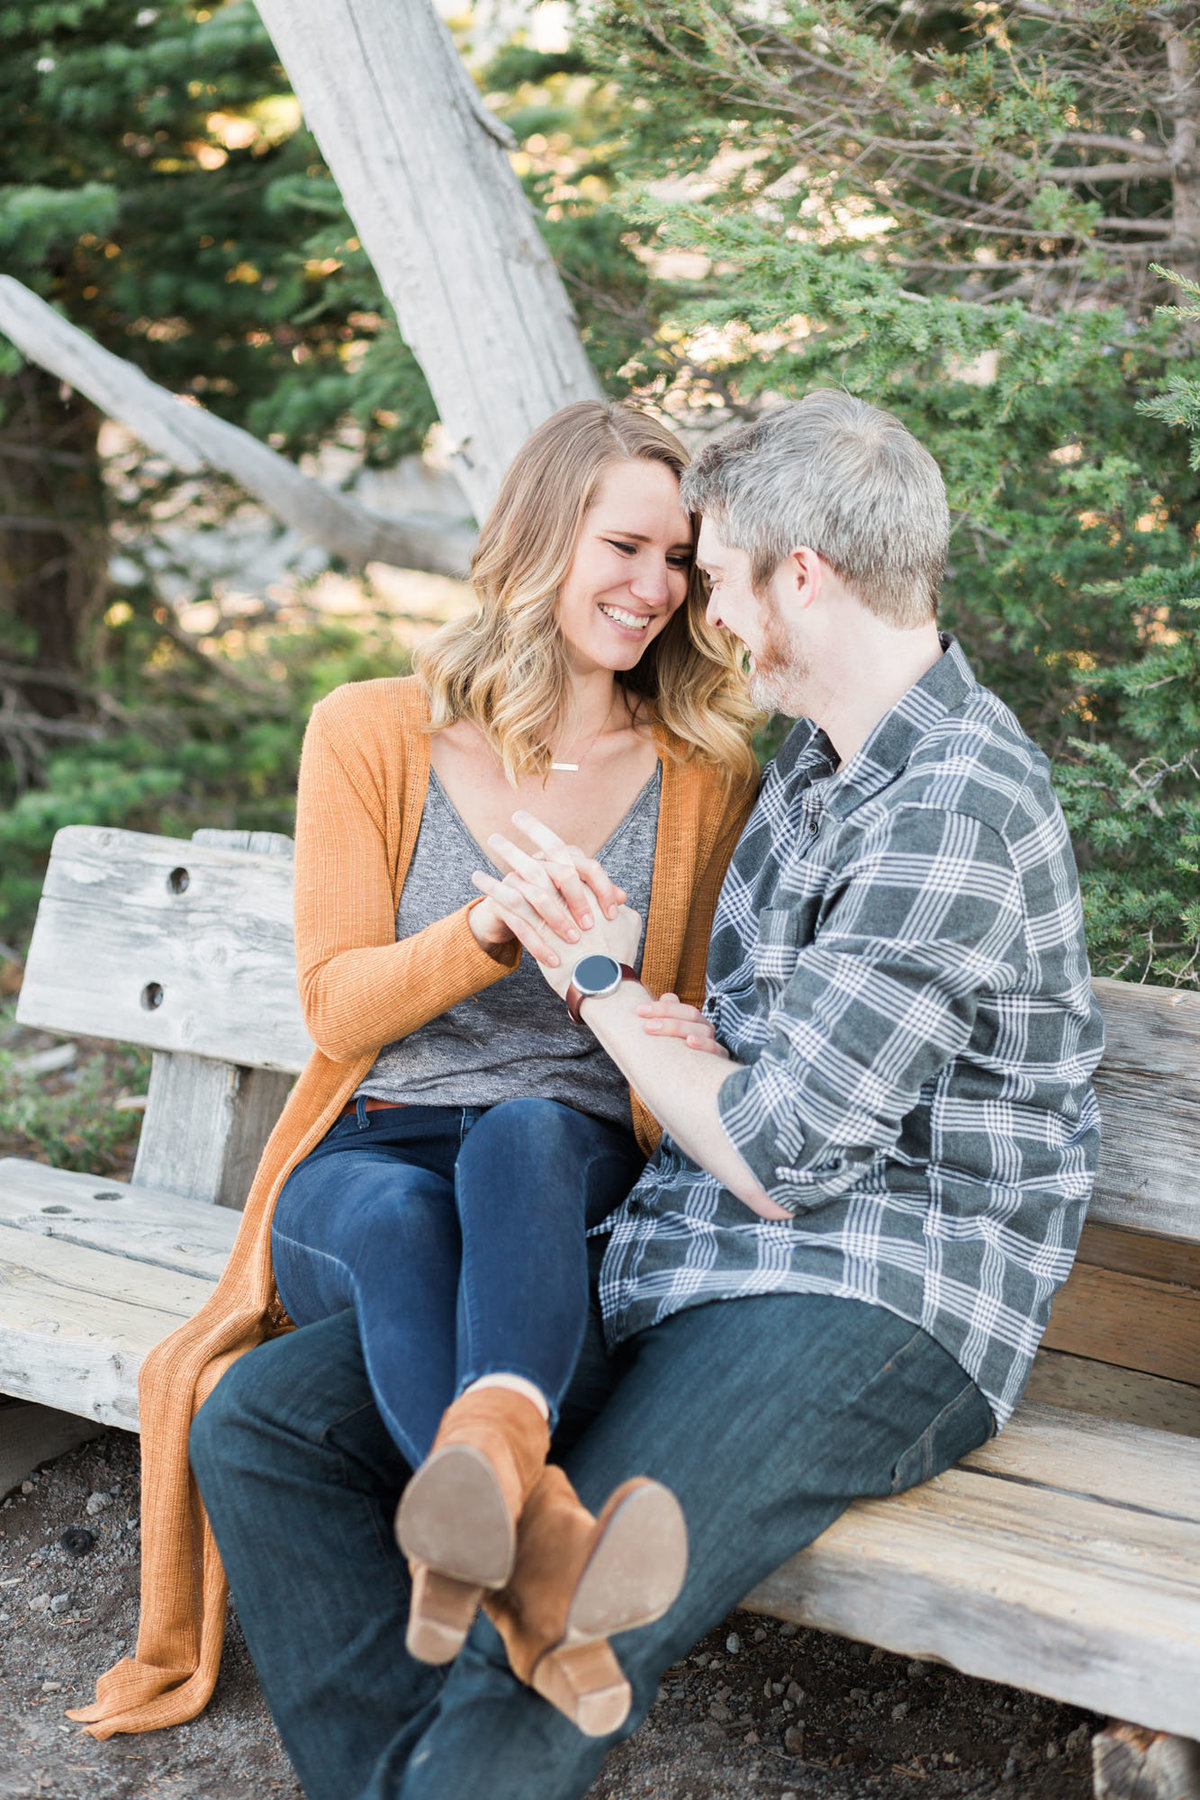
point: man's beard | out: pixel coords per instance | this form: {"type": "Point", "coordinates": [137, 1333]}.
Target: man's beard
{"type": "Point", "coordinates": [779, 677]}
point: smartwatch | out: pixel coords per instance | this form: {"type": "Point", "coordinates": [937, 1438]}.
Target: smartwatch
{"type": "Point", "coordinates": [595, 975]}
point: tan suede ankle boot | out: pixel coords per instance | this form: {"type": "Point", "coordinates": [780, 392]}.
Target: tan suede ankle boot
{"type": "Point", "coordinates": [457, 1518]}
{"type": "Point", "coordinates": [578, 1580]}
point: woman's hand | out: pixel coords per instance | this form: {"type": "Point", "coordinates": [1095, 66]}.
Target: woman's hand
{"type": "Point", "coordinates": [556, 956]}
{"type": "Point", "coordinates": [672, 1017]}
{"type": "Point", "coordinates": [487, 927]}
{"type": "Point", "coordinates": [565, 887]}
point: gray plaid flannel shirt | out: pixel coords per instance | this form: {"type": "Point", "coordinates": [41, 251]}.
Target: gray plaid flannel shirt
{"type": "Point", "coordinates": [898, 960]}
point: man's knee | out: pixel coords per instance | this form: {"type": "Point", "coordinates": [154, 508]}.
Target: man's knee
{"type": "Point", "coordinates": [291, 1390]}
{"type": "Point", "coordinates": [227, 1412]}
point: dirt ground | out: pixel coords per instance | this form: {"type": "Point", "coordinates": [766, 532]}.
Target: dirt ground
{"type": "Point", "coordinates": [758, 1711]}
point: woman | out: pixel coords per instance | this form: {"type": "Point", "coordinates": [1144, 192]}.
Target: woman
{"type": "Point", "coordinates": [455, 1135]}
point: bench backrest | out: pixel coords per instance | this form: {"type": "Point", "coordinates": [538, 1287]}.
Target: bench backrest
{"type": "Point", "coordinates": [172, 945]}
{"type": "Point", "coordinates": [184, 949]}
{"type": "Point", "coordinates": [187, 948]}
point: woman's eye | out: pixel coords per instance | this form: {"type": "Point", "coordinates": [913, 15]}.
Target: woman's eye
{"type": "Point", "coordinates": [680, 562]}
{"type": "Point", "coordinates": [626, 549]}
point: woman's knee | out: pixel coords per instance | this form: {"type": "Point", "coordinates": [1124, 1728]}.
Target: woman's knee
{"type": "Point", "coordinates": [527, 1118]}
{"type": "Point", "coordinates": [519, 1138]}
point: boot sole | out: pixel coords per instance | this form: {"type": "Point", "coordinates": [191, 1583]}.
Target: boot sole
{"type": "Point", "coordinates": [637, 1567]}
{"type": "Point", "coordinates": [453, 1517]}
{"type": "Point", "coordinates": [632, 1577]}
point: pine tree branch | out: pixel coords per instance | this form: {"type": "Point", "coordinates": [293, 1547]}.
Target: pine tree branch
{"type": "Point", "coordinates": [192, 439]}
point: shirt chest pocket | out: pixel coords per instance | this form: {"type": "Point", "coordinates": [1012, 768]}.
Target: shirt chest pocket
{"type": "Point", "coordinates": [782, 933]}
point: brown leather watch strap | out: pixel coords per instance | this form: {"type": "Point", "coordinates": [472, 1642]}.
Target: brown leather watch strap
{"type": "Point", "coordinates": [575, 999]}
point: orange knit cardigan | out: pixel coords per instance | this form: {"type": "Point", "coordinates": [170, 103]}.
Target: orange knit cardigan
{"type": "Point", "coordinates": [363, 780]}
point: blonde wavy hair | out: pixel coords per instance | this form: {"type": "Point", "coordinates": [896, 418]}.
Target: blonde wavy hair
{"type": "Point", "coordinates": [505, 666]}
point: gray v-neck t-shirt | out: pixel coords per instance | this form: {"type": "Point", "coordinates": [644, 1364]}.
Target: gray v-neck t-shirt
{"type": "Point", "coordinates": [515, 1039]}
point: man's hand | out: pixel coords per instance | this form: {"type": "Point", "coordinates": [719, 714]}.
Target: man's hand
{"type": "Point", "coordinates": [672, 1017]}
{"type": "Point", "coordinates": [556, 888]}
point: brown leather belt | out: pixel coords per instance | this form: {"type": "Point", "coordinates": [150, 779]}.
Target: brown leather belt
{"type": "Point", "coordinates": [370, 1105]}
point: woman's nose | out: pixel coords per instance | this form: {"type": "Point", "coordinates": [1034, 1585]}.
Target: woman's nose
{"type": "Point", "coordinates": [651, 583]}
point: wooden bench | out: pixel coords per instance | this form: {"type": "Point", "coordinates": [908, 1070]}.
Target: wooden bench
{"type": "Point", "coordinates": [1063, 1557]}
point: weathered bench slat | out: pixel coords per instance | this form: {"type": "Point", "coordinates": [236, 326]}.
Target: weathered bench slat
{"type": "Point", "coordinates": [168, 944]}
{"type": "Point", "coordinates": [1146, 1180]}
{"type": "Point", "coordinates": [113, 1216]}
{"type": "Point", "coordinates": [1082, 1600]}
{"type": "Point", "coordinates": [75, 1324]}
{"type": "Point", "coordinates": [1150, 1031]}
{"type": "Point", "coordinates": [1123, 1319]}
{"type": "Point", "coordinates": [1055, 1448]}
{"type": "Point", "coordinates": [1102, 1392]}
{"type": "Point", "coordinates": [1157, 1259]}
{"type": "Point", "coordinates": [205, 1127]}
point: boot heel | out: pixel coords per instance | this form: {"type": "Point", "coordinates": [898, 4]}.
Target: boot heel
{"type": "Point", "coordinates": [585, 1683]}
{"type": "Point", "coordinates": [440, 1615]}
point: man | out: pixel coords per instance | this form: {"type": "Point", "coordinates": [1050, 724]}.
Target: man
{"type": "Point", "coordinates": [831, 1279]}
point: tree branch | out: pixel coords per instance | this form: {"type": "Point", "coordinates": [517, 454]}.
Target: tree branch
{"type": "Point", "coordinates": [1098, 140]}
{"type": "Point", "coordinates": [191, 439]}
{"type": "Point", "coordinates": [1128, 171]}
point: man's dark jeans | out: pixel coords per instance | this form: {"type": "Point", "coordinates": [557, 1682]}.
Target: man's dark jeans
{"type": "Point", "coordinates": [766, 1416]}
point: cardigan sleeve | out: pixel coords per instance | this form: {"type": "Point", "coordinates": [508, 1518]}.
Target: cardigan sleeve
{"type": "Point", "coordinates": [359, 987]}
{"type": "Point", "coordinates": [738, 801]}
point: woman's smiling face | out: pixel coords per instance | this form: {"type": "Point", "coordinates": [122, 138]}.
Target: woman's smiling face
{"type": "Point", "coordinates": [630, 570]}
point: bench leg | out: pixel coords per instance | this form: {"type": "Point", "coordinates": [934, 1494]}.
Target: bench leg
{"type": "Point", "coordinates": [31, 1434]}
{"type": "Point", "coordinates": [1131, 1763]}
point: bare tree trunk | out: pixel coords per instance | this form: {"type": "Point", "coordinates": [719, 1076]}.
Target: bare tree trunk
{"type": "Point", "coordinates": [53, 536]}
{"type": "Point", "coordinates": [426, 179]}
{"type": "Point", "coordinates": [1183, 63]}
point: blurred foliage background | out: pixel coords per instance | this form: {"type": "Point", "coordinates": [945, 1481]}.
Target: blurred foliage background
{"type": "Point", "coordinates": [985, 217]}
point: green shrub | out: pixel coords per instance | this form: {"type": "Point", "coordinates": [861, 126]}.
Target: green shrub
{"type": "Point", "coordinates": [69, 1119]}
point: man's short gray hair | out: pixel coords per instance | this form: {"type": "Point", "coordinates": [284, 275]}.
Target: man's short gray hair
{"type": "Point", "coordinates": [844, 478]}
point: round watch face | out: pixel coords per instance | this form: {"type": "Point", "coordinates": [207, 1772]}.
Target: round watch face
{"type": "Point", "coordinates": [596, 974]}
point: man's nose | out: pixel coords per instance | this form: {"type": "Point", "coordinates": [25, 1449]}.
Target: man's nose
{"type": "Point", "coordinates": [712, 612]}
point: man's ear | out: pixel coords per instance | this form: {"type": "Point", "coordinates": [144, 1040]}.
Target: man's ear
{"type": "Point", "coordinates": [806, 571]}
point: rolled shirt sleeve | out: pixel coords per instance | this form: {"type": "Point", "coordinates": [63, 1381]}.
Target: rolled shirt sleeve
{"type": "Point", "coordinates": [924, 923]}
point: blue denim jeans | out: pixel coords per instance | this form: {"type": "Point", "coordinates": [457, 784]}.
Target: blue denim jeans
{"type": "Point", "coordinates": [458, 1237]}
{"type": "Point", "coordinates": [767, 1416]}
